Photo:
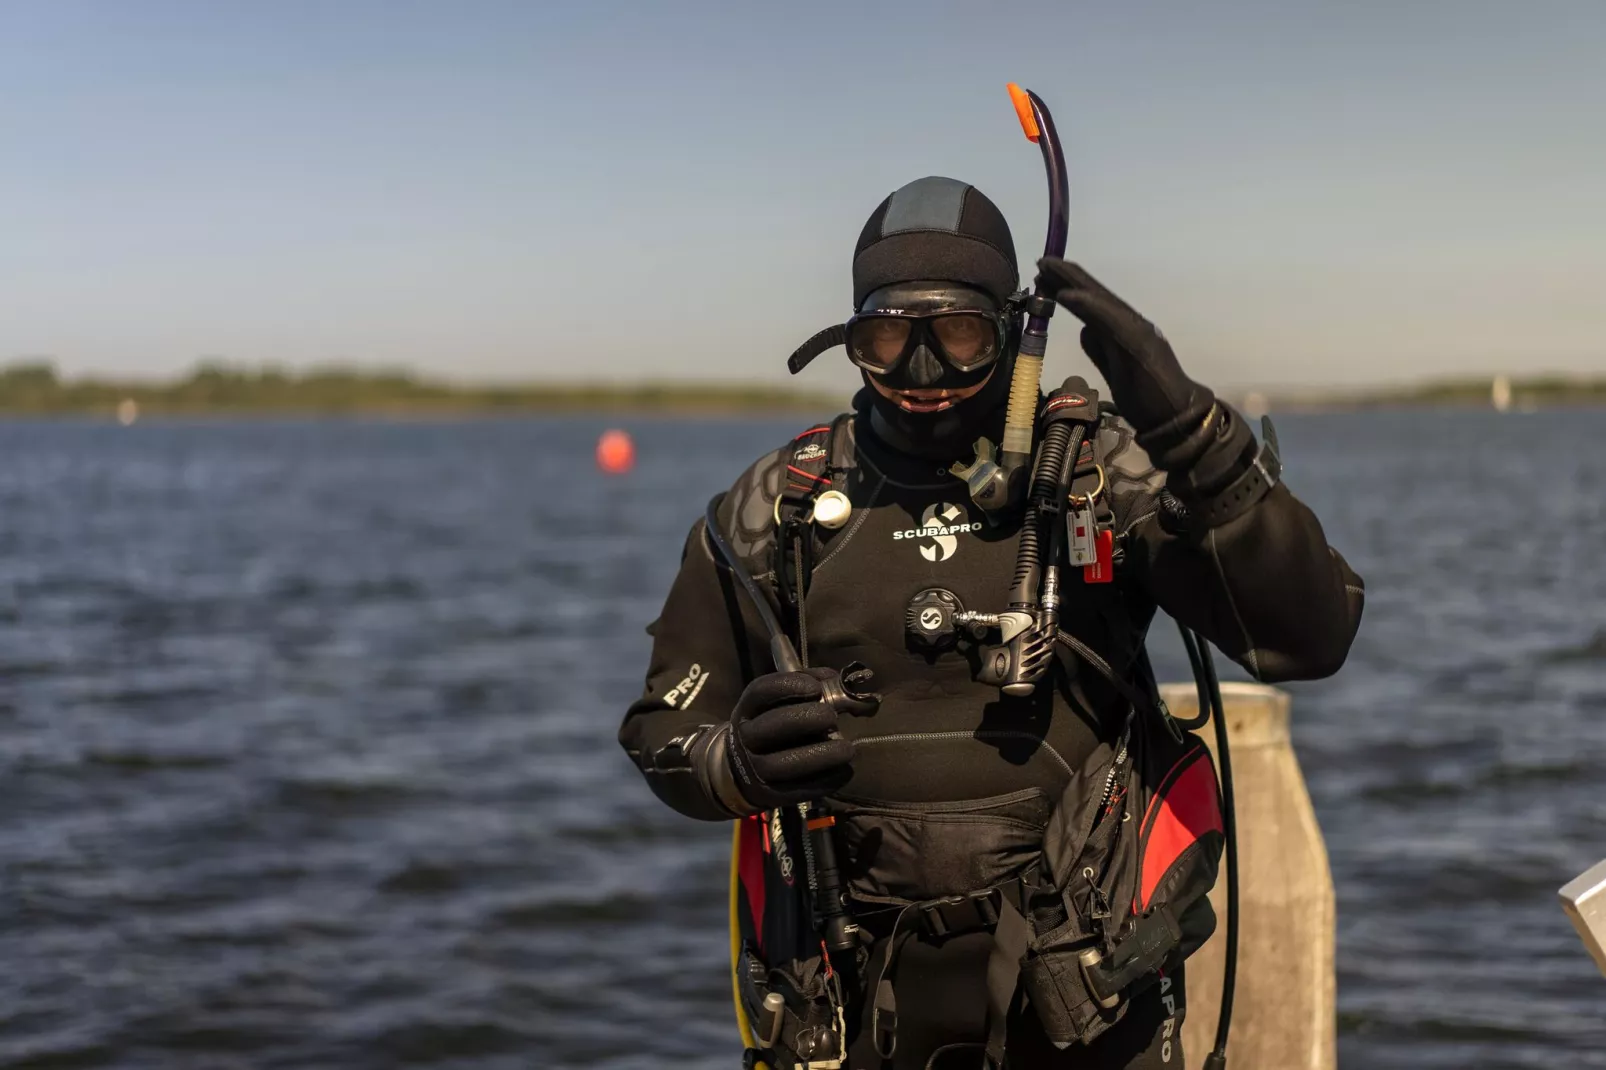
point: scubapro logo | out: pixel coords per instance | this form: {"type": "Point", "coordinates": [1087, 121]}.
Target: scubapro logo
{"type": "Point", "coordinates": [1169, 1000]}
{"type": "Point", "coordinates": [940, 526]}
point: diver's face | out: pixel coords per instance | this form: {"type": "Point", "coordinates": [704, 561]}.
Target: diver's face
{"type": "Point", "coordinates": [927, 346]}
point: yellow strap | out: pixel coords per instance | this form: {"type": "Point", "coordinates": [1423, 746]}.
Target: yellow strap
{"type": "Point", "coordinates": [742, 1023]}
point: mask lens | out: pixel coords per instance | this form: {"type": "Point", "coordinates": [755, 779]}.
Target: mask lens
{"type": "Point", "coordinates": [968, 339]}
{"type": "Point", "coordinates": [878, 341]}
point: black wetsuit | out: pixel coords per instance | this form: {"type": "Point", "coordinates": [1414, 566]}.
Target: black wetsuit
{"type": "Point", "coordinates": [1265, 587]}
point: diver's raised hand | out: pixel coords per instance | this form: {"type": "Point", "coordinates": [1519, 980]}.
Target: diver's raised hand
{"type": "Point", "coordinates": [1201, 445]}
{"type": "Point", "coordinates": [1146, 382]}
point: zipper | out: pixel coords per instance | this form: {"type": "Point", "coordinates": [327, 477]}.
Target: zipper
{"type": "Point", "coordinates": [1115, 767]}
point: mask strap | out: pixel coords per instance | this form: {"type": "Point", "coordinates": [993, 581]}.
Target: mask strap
{"type": "Point", "coordinates": [829, 338]}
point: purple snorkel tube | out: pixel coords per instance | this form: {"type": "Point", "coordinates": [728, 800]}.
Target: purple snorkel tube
{"type": "Point", "coordinates": [1039, 127]}
{"type": "Point", "coordinates": [997, 484]}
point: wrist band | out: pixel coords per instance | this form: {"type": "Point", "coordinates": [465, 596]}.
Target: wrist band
{"type": "Point", "coordinates": [1242, 493]}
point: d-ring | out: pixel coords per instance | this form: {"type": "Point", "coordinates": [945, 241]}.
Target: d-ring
{"type": "Point", "coordinates": [1087, 499]}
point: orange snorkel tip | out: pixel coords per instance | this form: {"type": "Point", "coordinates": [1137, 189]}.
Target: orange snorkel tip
{"type": "Point", "coordinates": [1023, 110]}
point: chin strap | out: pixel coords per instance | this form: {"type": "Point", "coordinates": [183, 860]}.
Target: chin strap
{"type": "Point", "coordinates": [829, 338]}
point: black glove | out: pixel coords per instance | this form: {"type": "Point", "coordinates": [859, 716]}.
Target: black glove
{"type": "Point", "coordinates": [784, 746]}
{"type": "Point", "coordinates": [1148, 385]}
{"type": "Point", "coordinates": [1179, 422]}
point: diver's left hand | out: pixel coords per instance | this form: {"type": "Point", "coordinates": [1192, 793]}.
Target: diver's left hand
{"type": "Point", "coordinates": [1146, 382]}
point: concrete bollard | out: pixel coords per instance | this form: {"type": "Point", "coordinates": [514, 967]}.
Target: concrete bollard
{"type": "Point", "coordinates": [1584, 900]}
{"type": "Point", "coordinates": [1284, 1012]}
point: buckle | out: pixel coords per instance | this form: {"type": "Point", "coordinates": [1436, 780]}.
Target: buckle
{"type": "Point", "coordinates": [987, 907]}
{"type": "Point", "coordinates": [932, 917]}
{"type": "Point", "coordinates": [885, 1024]}
{"type": "Point", "coordinates": [961, 913]}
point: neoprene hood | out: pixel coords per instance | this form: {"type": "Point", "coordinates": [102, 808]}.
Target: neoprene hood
{"type": "Point", "coordinates": [936, 229]}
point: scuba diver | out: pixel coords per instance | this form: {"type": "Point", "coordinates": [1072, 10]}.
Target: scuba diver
{"type": "Point", "coordinates": [911, 665]}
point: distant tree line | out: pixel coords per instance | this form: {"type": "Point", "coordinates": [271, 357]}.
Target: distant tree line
{"type": "Point", "coordinates": [34, 387]}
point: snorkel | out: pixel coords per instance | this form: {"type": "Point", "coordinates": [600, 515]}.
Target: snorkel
{"type": "Point", "coordinates": [996, 478]}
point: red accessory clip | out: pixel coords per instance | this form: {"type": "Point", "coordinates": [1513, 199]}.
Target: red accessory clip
{"type": "Point", "coordinates": [1102, 570]}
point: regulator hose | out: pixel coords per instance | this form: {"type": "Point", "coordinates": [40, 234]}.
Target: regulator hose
{"type": "Point", "coordinates": [1050, 601]}
{"type": "Point", "coordinates": [1045, 482]}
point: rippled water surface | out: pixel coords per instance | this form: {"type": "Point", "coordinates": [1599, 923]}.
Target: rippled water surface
{"type": "Point", "coordinates": [307, 755]}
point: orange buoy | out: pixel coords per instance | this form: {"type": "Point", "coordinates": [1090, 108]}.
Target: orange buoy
{"type": "Point", "coordinates": [615, 452]}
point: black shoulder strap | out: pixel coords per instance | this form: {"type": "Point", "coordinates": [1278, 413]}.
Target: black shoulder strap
{"type": "Point", "coordinates": [807, 472]}
{"type": "Point", "coordinates": [810, 468]}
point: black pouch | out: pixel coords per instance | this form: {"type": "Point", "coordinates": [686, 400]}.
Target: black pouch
{"type": "Point", "coordinates": [1132, 852]}
{"type": "Point", "coordinates": [1082, 854]}
{"type": "Point", "coordinates": [808, 1026]}
{"type": "Point", "coordinates": [901, 853]}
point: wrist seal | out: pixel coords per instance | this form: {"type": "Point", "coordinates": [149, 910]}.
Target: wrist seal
{"type": "Point", "coordinates": [703, 754]}
{"type": "Point", "coordinates": [719, 780]}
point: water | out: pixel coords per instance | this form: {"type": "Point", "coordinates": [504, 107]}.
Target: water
{"type": "Point", "coordinates": [307, 758]}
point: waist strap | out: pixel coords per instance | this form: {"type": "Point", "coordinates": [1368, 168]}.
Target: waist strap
{"type": "Point", "coordinates": [950, 915]}
{"type": "Point", "coordinates": [954, 914]}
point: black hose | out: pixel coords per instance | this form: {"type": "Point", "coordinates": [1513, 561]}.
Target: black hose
{"type": "Point", "coordinates": [1028, 561]}
{"type": "Point", "coordinates": [1211, 705]}
{"type": "Point", "coordinates": [1062, 489]}
{"type": "Point", "coordinates": [781, 648]}
{"type": "Point", "coordinates": [1067, 472]}
{"type": "Point", "coordinates": [825, 875]}
{"type": "Point", "coordinates": [1023, 592]}
{"type": "Point", "coordinates": [1202, 717]}
{"type": "Point", "coordinates": [1051, 460]}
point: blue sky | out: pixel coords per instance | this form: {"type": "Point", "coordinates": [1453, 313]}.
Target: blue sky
{"type": "Point", "coordinates": [1298, 193]}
